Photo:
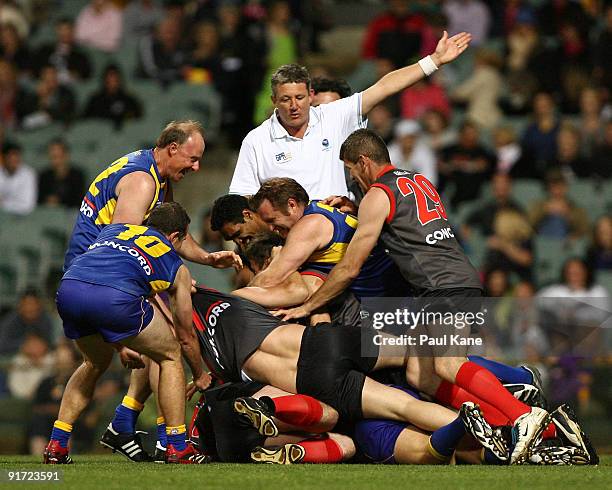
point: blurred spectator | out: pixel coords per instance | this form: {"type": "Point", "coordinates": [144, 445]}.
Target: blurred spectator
{"type": "Point", "coordinates": [112, 101]}
{"type": "Point", "coordinates": [496, 283]}
{"type": "Point", "coordinates": [601, 156]}
{"type": "Point", "coordinates": [328, 90]}
{"type": "Point", "coordinates": [552, 16]}
{"type": "Point", "coordinates": [395, 35]}
{"type": "Point", "coordinates": [71, 62]}
{"type": "Point", "coordinates": [483, 218]}
{"type": "Point", "coordinates": [282, 49]}
{"type": "Point", "coordinates": [557, 216]}
{"type": "Point", "coordinates": [47, 398]}
{"type": "Point", "coordinates": [421, 97]}
{"type": "Point", "coordinates": [575, 67]}
{"type": "Point", "coordinates": [591, 122]}
{"type": "Point", "coordinates": [161, 56]}
{"type": "Point", "coordinates": [29, 317]}
{"type": "Point", "coordinates": [569, 161]}
{"type": "Point", "coordinates": [99, 26]}
{"type": "Point", "coordinates": [468, 164]}
{"type": "Point", "coordinates": [13, 49]}
{"type": "Point", "coordinates": [432, 31]}
{"type": "Point", "coordinates": [29, 367]}
{"type": "Point", "coordinates": [471, 16]}
{"type": "Point", "coordinates": [507, 149]}
{"type": "Point", "coordinates": [60, 184]}
{"type": "Point", "coordinates": [204, 64]}
{"type": "Point", "coordinates": [11, 14]}
{"type": "Point", "coordinates": [436, 131]}
{"type": "Point", "coordinates": [601, 52]}
{"type": "Point", "coordinates": [408, 151]}
{"type": "Point", "coordinates": [510, 247]}
{"type": "Point", "coordinates": [380, 120]}
{"type": "Point", "coordinates": [18, 186]}
{"type": "Point", "coordinates": [210, 240]}
{"type": "Point", "coordinates": [481, 90]}
{"type": "Point", "coordinates": [526, 336]}
{"type": "Point", "coordinates": [599, 254]}
{"type": "Point", "coordinates": [10, 95]}
{"type": "Point", "coordinates": [140, 18]}
{"type": "Point", "coordinates": [539, 141]}
{"type": "Point", "coordinates": [50, 102]}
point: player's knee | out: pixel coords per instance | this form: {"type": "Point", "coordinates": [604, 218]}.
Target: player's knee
{"type": "Point", "coordinates": [447, 367]}
{"type": "Point", "coordinates": [346, 445]}
{"type": "Point", "coordinates": [97, 367]}
{"type": "Point", "coordinates": [329, 418]}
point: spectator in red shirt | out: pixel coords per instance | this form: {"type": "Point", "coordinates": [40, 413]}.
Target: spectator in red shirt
{"type": "Point", "coordinates": [421, 97]}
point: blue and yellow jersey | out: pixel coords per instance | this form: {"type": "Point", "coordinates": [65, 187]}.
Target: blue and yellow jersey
{"type": "Point", "coordinates": [373, 278]}
{"type": "Point", "coordinates": [132, 258]}
{"type": "Point", "coordinates": [99, 203]}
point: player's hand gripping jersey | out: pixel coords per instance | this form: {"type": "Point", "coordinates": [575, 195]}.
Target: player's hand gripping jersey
{"type": "Point", "coordinates": [378, 276]}
{"type": "Point", "coordinates": [418, 236]}
{"type": "Point", "coordinates": [132, 258]}
{"type": "Point", "coordinates": [100, 200]}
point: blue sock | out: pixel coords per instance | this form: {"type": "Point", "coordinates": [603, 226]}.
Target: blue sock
{"type": "Point", "coordinates": [126, 415]}
{"type": "Point", "coordinates": [61, 433]}
{"type": "Point", "coordinates": [503, 372]}
{"type": "Point", "coordinates": [490, 458]}
{"type": "Point", "coordinates": [444, 440]}
{"type": "Point", "coordinates": [176, 437]}
{"type": "Point", "coordinates": [162, 437]}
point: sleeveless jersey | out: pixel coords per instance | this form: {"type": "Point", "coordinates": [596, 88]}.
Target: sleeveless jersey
{"type": "Point", "coordinates": [132, 258]}
{"type": "Point", "coordinates": [229, 329]}
{"type": "Point", "coordinates": [374, 278]}
{"type": "Point", "coordinates": [419, 238]}
{"type": "Point", "coordinates": [99, 203]}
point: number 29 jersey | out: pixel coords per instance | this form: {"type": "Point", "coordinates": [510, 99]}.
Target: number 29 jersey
{"type": "Point", "coordinates": [100, 200]}
{"type": "Point", "coordinates": [418, 237]}
{"type": "Point", "coordinates": [131, 258]}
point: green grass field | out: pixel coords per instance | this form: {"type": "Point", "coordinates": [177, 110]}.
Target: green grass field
{"type": "Point", "coordinates": [108, 472]}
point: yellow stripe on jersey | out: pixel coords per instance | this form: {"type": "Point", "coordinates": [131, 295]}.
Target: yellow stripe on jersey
{"type": "Point", "coordinates": [105, 215]}
{"type": "Point", "coordinates": [114, 167]}
{"type": "Point", "coordinates": [159, 286]}
{"type": "Point", "coordinates": [331, 255]}
{"type": "Point", "coordinates": [157, 189]}
{"type": "Point", "coordinates": [351, 221]}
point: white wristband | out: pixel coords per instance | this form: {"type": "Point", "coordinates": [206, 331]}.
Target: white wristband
{"type": "Point", "coordinates": [427, 65]}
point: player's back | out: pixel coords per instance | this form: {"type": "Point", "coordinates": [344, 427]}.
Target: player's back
{"type": "Point", "coordinates": [100, 200]}
{"type": "Point", "coordinates": [378, 276]}
{"type": "Point", "coordinates": [131, 258]}
{"type": "Point", "coordinates": [418, 236]}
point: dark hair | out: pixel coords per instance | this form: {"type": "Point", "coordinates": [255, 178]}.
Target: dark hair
{"type": "Point", "coordinates": [278, 191]}
{"type": "Point", "coordinates": [337, 85]}
{"type": "Point", "coordinates": [178, 132]}
{"type": "Point", "coordinates": [367, 143]}
{"type": "Point", "coordinates": [590, 275]}
{"type": "Point", "coordinates": [260, 248]}
{"type": "Point", "coordinates": [227, 209]}
{"type": "Point", "coordinates": [168, 218]}
{"type": "Point", "coordinates": [11, 146]}
{"type": "Point", "coordinates": [289, 74]}
{"type": "Point", "coordinates": [59, 141]}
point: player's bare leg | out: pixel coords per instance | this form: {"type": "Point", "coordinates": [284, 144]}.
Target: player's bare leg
{"type": "Point", "coordinates": [97, 355]}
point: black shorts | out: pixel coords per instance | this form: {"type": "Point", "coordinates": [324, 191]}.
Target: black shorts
{"type": "Point", "coordinates": [220, 427]}
{"type": "Point", "coordinates": [331, 367]}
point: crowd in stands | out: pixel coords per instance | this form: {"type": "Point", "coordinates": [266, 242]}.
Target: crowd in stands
{"type": "Point", "coordinates": [532, 100]}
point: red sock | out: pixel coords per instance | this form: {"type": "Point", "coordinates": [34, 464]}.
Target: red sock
{"type": "Point", "coordinates": [549, 432]}
{"type": "Point", "coordinates": [483, 383]}
{"type": "Point", "coordinates": [301, 410]}
{"type": "Point", "coordinates": [321, 451]}
{"type": "Point", "coordinates": [450, 394]}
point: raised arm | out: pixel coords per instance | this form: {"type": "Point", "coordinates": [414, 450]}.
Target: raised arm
{"type": "Point", "coordinates": [446, 51]}
{"type": "Point", "coordinates": [292, 291]}
{"type": "Point", "coordinates": [373, 211]}
{"type": "Point", "coordinates": [309, 234]}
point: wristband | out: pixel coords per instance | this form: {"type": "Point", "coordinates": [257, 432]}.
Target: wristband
{"type": "Point", "coordinates": [427, 65]}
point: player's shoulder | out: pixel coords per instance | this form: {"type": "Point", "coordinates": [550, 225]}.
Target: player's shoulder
{"type": "Point", "coordinates": [259, 134]}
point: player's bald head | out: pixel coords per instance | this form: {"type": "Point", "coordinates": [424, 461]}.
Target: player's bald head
{"type": "Point", "coordinates": [178, 132]}
{"type": "Point", "coordinates": [365, 142]}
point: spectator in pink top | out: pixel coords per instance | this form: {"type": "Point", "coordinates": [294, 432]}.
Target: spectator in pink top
{"type": "Point", "coordinates": [421, 97]}
{"type": "Point", "coordinates": [99, 25]}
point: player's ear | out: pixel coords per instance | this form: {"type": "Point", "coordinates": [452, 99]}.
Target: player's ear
{"type": "Point", "coordinates": [247, 214]}
{"type": "Point", "coordinates": [173, 148]}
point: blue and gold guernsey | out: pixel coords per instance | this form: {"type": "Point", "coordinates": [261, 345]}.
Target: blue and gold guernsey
{"type": "Point", "coordinates": [131, 258]}
{"type": "Point", "coordinates": [378, 276]}
{"type": "Point", "coordinates": [99, 203]}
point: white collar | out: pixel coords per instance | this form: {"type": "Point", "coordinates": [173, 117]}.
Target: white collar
{"type": "Point", "coordinates": [277, 130]}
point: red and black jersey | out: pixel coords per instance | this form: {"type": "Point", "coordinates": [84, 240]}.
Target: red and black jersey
{"type": "Point", "coordinates": [229, 330]}
{"type": "Point", "coordinates": [419, 238]}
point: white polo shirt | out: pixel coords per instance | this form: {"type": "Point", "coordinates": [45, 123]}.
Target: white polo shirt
{"type": "Point", "coordinates": [313, 161]}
